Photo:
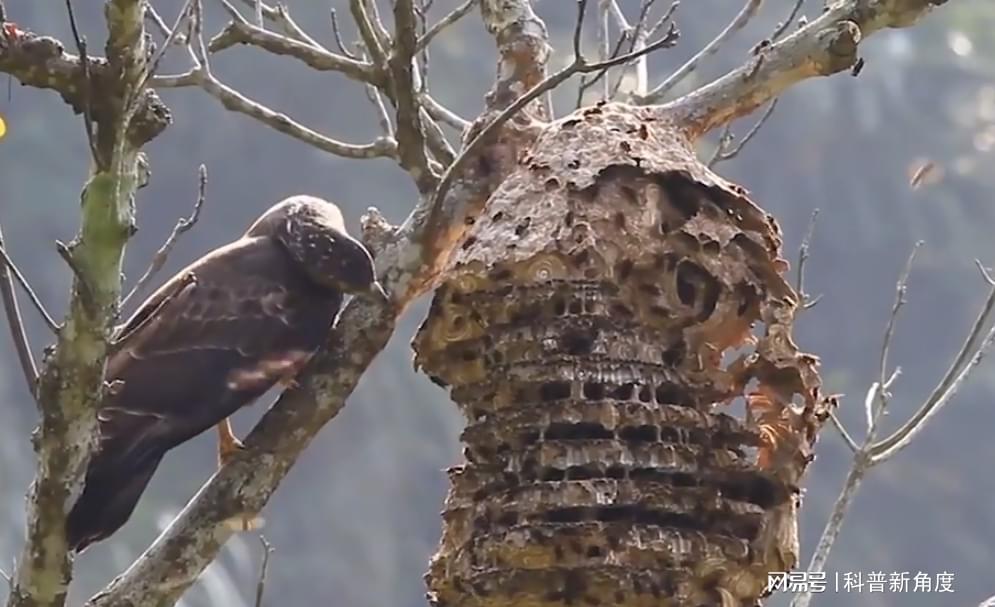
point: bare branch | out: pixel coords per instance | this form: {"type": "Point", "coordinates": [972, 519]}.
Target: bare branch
{"type": "Point", "coordinates": [337, 33]}
{"type": "Point", "coordinates": [458, 13]}
{"type": "Point", "coordinates": [852, 444]}
{"type": "Point", "coordinates": [35, 301]}
{"type": "Point", "coordinates": [373, 41]}
{"type": "Point", "coordinates": [579, 65]}
{"type": "Point", "coordinates": [803, 255]}
{"type": "Point", "coordinates": [834, 524]}
{"type": "Point", "coordinates": [786, 24]}
{"type": "Point", "coordinates": [883, 383]}
{"type": "Point", "coordinates": [724, 151]}
{"type": "Point", "coordinates": [410, 131]}
{"type": "Point", "coordinates": [17, 333]}
{"type": "Point", "coordinates": [443, 114]}
{"type": "Point", "coordinates": [182, 226]}
{"type": "Point", "coordinates": [643, 32]}
{"type": "Point", "coordinates": [314, 56]}
{"type": "Point", "coordinates": [825, 46]}
{"type": "Point", "coordinates": [744, 16]}
{"type": "Point", "coordinates": [233, 100]}
{"type": "Point", "coordinates": [280, 16]}
{"type": "Point", "coordinates": [970, 355]}
{"type": "Point", "coordinates": [261, 584]}
{"type": "Point", "coordinates": [160, 24]}
{"type": "Point", "coordinates": [87, 85]}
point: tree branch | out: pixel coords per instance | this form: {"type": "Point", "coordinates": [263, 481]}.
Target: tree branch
{"type": "Point", "coordinates": [410, 131]}
{"type": "Point", "coordinates": [11, 268]}
{"type": "Point", "coordinates": [744, 16]}
{"type": "Point", "coordinates": [71, 385]}
{"type": "Point", "coordinates": [825, 46]}
{"type": "Point", "coordinates": [15, 322]}
{"type": "Point", "coordinates": [316, 57]}
{"type": "Point", "coordinates": [455, 15]}
{"type": "Point", "coordinates": [182, 226]}
{"type": "Point", "coordinates": [869, 453]}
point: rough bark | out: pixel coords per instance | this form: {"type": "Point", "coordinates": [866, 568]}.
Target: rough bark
{"type": "Point", "coordinates": [71, 383]}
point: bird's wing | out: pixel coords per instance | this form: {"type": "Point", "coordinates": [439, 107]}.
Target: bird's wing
{"type": "Point", "coordinates": [214, 338]}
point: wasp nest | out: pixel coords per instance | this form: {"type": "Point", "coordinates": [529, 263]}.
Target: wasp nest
{"type": "Point", "coordinates": [595, 329]}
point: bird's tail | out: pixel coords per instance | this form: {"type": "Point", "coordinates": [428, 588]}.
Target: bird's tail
{"type": "Point", "coordinates": [110, 493]}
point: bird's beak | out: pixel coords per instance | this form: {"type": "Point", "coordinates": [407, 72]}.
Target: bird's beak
{"type": "Point", "coordinates": [378, 292]}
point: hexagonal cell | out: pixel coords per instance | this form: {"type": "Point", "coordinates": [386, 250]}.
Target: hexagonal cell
{"type": "Point", "coordinates": [589, 360]}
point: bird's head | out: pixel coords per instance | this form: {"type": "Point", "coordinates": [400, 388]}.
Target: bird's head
{"type": "Point", "coordinates": [314, 233]}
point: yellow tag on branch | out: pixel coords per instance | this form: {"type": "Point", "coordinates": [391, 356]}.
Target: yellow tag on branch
{"type": "Point", "coordinates": [3, 128]}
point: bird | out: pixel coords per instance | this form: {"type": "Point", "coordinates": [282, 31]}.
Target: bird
{"type": "Point", "coordinates": [214, 338]}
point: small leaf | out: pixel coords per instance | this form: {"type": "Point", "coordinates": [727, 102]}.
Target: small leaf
{"type": "Point", "coordinates": [3, 128]}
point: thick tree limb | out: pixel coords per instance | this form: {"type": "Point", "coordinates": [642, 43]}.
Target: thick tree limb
{"type": "Point", "coordinates": [42, 62]}
{"type": "Point", "coordinates": [825, 46]}
{"type": "Point", "coordinates": [71, 384]}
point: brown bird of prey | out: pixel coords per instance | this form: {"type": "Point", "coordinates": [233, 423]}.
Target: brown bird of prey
{"type": "Point", "coordinates": [213, 339]}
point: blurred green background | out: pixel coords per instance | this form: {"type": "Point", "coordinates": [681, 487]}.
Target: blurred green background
{"type": "Point", "coordinates": [356, 521]}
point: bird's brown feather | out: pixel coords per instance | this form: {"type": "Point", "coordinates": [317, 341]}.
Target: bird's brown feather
{"type": "Point", "coordinates": [211, 340]}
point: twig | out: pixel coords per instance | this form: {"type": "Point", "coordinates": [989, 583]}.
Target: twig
{"type": "Point", "coordinates": [368, 32]}
{"type": "Point", "coordinates": [783, 26]}
{"type": "Point", "coordinates": [408, 116]}
{"type": "Point", "coordinates": [901, 288]}
{"type": "Point", "coordinates": [383, 116]}
{"type": "Point", "coordinates": [182, 226]}
{"type": "Point", "coordinates": [579, 65]}
{"type": "Point", "coordinates": [604, 42]}
{"type": "Point", "coordinates": [88, 85]}
{"type": "Point", "coordinates": [742, 18]}
{"type": "Point", "coordinates": [35, 301]}
{"type": "Point", "coordinates": [833, 526]}
{"type": "Point", "coordinates": [174, 33]}
{"type": "Point", "coordinates": [261, 584]}
{"type": "Point", "coordinates": [458, 13]}
{"type": "Point", "coordinates": [970, 354]}
{"type": "Point", "coordinates": [443, 114]}
{"type": "Point", "coordinates": [315, 57]}
{"type": "Point", "coordinates": [852, 444]}
{"type": "Point", "coordinates": [16, 323]}
{"type": "Point", "coordinates": [640, 34]}
{"type": "Point", "coordinates": [339, 42]}
{"type": "Point", "coordinates": [160, 24]}
{"type": "Point", "coordinates": [723, 152]}
{"type": "Point", "coordinates": [803, 255]}
{"type": "Point", "coordinates": [870, 453]}
{"type": "Point", "coordinates": [586, 84]}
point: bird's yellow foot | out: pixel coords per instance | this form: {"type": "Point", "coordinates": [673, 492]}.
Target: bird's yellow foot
{"type": "Point", "coordinates": [228, 444]}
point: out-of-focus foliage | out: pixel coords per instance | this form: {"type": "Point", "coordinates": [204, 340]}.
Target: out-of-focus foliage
{"type": "Point", "coordinates": [356, 520]}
